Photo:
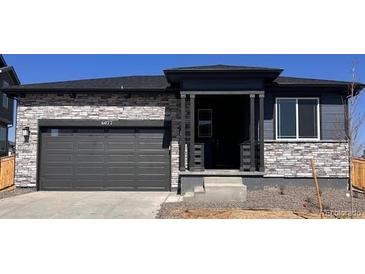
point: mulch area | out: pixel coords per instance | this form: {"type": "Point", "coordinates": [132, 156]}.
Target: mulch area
{"type": "Point", "coordinates": [282, 203]}
{"type": "Point", "coordinates": [14, 191]}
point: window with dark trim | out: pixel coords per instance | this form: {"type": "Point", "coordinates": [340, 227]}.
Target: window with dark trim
{"type": "Point", "coordinates": [297, 118]}
{"type": "Point", "coordinates": [205, 123]}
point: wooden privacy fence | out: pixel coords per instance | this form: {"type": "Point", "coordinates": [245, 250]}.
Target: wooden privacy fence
{"type": "Point", "coordinates": [7, 171]}
{"type": "Point", "coordinates": [358, 173]}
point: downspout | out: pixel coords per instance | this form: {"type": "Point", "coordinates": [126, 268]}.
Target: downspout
{"type": "Point", "coordinates": [15, 105]}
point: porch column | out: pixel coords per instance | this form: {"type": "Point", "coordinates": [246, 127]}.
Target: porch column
{"type": "Point", "coordinates": [192, 131]}
{"type": "Point", "coordinates": [182, 133]}
{"type": "Point", "coordinates": [261, 133]}
{"type": "Point", "coordinates": [252, 132]}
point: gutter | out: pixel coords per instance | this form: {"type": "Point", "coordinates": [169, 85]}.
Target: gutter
{"type": "Point", "coordinates": [18, 91]}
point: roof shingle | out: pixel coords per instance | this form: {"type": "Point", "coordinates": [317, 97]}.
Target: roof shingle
{"type": "Point", "coordinates": [118, 83]}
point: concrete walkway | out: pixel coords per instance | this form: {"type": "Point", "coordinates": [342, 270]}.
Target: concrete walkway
{"type": "Point", "coordinates": [94, 205]}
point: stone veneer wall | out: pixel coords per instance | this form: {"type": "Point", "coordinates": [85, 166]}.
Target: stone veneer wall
{"type": "Point", "coordinates": [292, 159]}
{"type": "Point", "coordinates": [141, 106]}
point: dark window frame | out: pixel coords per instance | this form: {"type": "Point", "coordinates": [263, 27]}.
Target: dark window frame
{"type": "Point", "coordinates": [297, 137]}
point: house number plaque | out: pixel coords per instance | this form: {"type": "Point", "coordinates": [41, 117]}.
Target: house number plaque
{"type": "Point", "coordinates": [107, 123]}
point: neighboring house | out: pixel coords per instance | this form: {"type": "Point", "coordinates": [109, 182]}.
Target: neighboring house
{"type": "Point", "coordinates": [170, 131]}
{"type": "Point", "coordinates": [8, 78]}
{"type": "Point", "coordinates": [11, 147]}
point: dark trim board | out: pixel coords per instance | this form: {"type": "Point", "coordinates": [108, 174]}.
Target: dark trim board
{"type": "Point", "coordinates": [213, 92]}
{"type": "Point", "coordinates": [79, 123]}
{"type": "Point", "coordinates": [102, 123]}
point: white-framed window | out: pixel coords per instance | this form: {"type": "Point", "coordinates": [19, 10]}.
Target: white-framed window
{"type": "Point", "coordinates": [297, 118]}
{"type": "Point", "coordinates": [205, 127]}
{"type": "Point", "coordinates": [5, 101]}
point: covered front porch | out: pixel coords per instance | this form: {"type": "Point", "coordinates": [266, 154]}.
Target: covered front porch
{"type": "Point", "coordinates": [222, 133]}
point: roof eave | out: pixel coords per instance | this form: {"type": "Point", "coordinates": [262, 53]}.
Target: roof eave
{"type": "Point", "coordinates": [12, 74]}
{"type": "Point", "coordinates": [177, 71]}
{"type": "Point", "coordinates": [358, 86]}
{"type": "Point", "coordinates": [14, 90]}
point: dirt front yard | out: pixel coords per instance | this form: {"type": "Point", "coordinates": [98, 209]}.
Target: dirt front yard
{"type": "Point", "coordinates": [273, 203]}
{"type": "Point", "coordinates": [234, 213]}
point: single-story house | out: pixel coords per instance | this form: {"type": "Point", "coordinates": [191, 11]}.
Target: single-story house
{"type": "Point", "coordinates": [168, 132]}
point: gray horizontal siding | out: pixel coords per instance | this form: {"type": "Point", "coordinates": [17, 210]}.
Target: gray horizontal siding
{"type": "Point", "coordinates": [269, 113]}
{"type": "Point", "coordinates": [331, 116]}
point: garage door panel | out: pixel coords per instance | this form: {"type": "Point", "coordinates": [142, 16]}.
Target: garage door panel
{"type": "Point", "coordinates": [121, 183]}
{"type": "Point", "coordinates": [125, 170]}
{"type": "Point", "coordinates": [115, 159]}
{"type": "Point", "coordinates": [88, 185]}
{"type": "Point", "coordinates": [161, 152]}
{"type": "Point", "coordinates": [150, 184]}
{"type": "Point", "coordinates": [89, 170]}
{"type": "Point", "coordinates": [90, 146]}
{"type": "Point", "coordinates": [90, 178]}
{"type": "Point", "coordinates": [151, 141]}
{"type": "Point", "coordinates": [58, 183]}
{"type": "Point", "coordinates": [152, 158]}
{"type": "Point", "coordinates": [146, 163]}
{"type": "Point", "coordinates": [122, 152]}
{"type": "Point", "coordinates": [120, 147]}
{"type": "Point", "coordinates": [58, 170]}
{"type": "Point", "coordinates": [59, 145]}
{"type": "Point", "coordinates": [59, 158]}
{"type": "Point", "coordinates": [88, 158]}
{"type": "Point", "coordinates": [105, 159]}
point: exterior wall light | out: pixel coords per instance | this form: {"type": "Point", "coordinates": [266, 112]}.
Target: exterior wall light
{"type": "Point", "coordinates": [26, 134]}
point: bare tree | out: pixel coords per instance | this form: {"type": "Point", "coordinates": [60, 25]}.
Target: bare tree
{"type": "Point", "coordinates": [354, 119]}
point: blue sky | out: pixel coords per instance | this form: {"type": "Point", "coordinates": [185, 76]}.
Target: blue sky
{"type": "Point", "coordinates": [47, 68]}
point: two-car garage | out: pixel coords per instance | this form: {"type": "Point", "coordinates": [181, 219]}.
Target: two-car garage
{"type": "Point", "coordinates": [99, 155]}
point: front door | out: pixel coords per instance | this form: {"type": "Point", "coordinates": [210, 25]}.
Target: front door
{"type": "Point", "coordinates": [222, 143]}
{"type": "Point", "coordinates": [226, 138]}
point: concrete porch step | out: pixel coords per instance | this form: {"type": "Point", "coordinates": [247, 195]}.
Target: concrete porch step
{"type": "Point", "coordinates": [216, 189]}
{"type": "Point", "coordinates": [222, 182]}
{"type": "Point", "coordinates": [199, 189]}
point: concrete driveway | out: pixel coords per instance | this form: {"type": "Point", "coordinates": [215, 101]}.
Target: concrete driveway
{"type": "Point", "coordinates": [95, 205]}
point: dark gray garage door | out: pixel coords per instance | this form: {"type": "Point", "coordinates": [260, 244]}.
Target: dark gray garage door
{"type": "Point", "coordinates": [104, 159]}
